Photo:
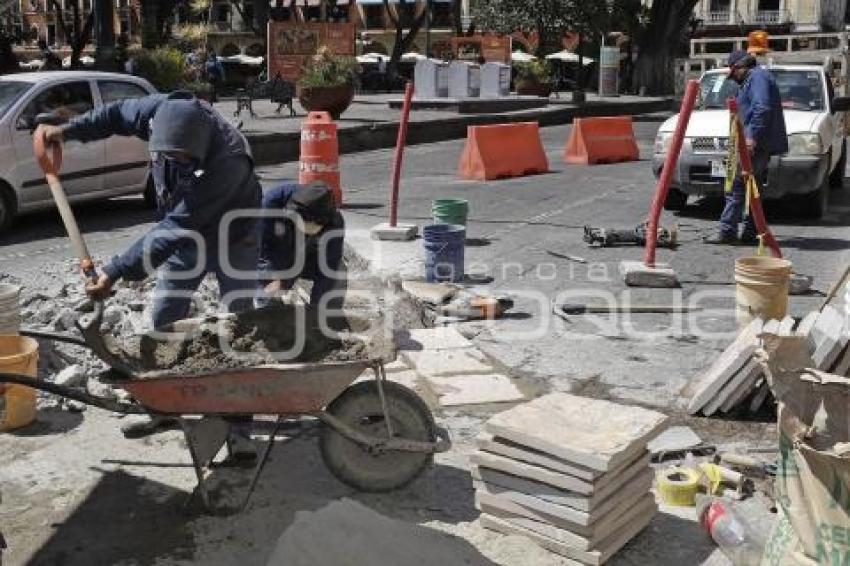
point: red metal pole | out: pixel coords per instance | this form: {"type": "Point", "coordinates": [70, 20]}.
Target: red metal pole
{"type": "Point", "coordinates": [746, 171]}
{"type": "Point", "coordinates": [663, 186]}
{"type": "Point", "coordinates": [399, 152]}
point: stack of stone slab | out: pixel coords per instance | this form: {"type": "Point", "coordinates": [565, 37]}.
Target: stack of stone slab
{"type": "Point", "coordinates": [570, 473]}
{"type": "Point", "coordinates": [735, 378]}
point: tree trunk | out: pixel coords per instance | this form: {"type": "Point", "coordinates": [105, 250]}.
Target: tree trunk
{"type": "Point", "coordinates": [403, 41]}
{"type": "Point", "coordinates": [8, 59]}
{"type": "Point", "coordinates": [660, 45]}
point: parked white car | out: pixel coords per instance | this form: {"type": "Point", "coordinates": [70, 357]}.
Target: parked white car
{"type": "Point", "coordinates": [815, 124]}
{"type": "Point", "coordinates": [94, 170]}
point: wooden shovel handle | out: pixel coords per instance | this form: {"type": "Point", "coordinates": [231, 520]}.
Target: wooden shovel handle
{"type": "Point", "coordinates": [50, 164]}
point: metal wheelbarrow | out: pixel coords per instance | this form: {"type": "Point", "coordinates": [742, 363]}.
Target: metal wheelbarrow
{"type": "Point", "coordinates": [376, 436]}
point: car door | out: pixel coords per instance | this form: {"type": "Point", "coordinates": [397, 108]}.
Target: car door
{"type": "Point", "coordinates": [127, 157]}
{"type": "Point", "coordinates": [82, 163]}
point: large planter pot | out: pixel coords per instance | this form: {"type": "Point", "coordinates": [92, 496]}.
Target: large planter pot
{"type": "Point", "coordinates": [533, 88]}
{"type": "Point", "coordinates": [331, 99]}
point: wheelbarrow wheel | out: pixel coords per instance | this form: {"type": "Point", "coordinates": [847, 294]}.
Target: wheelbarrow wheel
{"type": "Point", "coordinates": [359, 407]}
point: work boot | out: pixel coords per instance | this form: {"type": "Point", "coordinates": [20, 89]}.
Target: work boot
{"type": "Point", "coordinates": [147, 425]}
{"type": "Point", "coordinates": [749, 239]}
{"type": "Point", "coordinates": [721, 239]}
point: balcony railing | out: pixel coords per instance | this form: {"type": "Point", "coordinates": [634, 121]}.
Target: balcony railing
{"type": "Point", "coordinates": [767, 17]}
{"type": "Point", "coordinates": [717, 17]}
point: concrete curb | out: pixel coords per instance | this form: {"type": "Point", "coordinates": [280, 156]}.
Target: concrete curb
{"type": "Point", "coordinates": [271, 147]}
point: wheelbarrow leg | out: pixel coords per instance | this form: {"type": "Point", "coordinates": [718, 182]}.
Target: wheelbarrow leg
{"type": "Point", "coordinates": [262, 463]}
{"type": "Point", "coordinates": [204, 437]}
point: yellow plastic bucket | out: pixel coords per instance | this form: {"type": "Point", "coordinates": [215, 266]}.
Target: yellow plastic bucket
{"type": "Point", "coordinates": [18, 354]}
{"type": "Point", "coordinates": [761, 288]}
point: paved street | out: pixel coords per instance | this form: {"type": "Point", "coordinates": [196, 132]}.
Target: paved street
{"type": "Point", "coordinates": [518, 233]}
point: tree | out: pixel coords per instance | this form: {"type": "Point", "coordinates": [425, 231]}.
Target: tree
{"type": "Point", "coordinates": [405, 17]}
{"type": "Point", "coordinates": [8, 59]}
{"type": "Point", "coordinates": [659, 43]}
{"type": "Point", "coordinates": [549, 19]}
{"type": "Point", "coordinates": [77, 33]}
{"type": "Point", "coordinates": [156, 16]}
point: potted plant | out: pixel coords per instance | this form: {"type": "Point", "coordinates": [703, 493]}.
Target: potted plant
{"type": "Point", "coordinates": [327, 83]}
{"type": "Point", "coordinates": [534, 78]}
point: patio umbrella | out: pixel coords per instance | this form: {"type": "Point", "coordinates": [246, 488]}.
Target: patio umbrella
{"type": "Point", "coordinates": [520, 57]}
{"type": "Point", "coordinates": [569, 57]}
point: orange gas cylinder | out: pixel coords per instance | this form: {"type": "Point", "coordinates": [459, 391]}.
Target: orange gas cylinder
{"type": "Point", "coordinates": [320, 153]}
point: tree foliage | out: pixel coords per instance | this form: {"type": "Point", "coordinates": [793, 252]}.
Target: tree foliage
{"type": "Point", "coordinates": [659, 31]}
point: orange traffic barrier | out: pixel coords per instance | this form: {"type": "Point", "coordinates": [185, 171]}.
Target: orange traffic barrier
{"type": "Point", "coordinates": [601, 140]}
{"type": "Point", "coordinates": [502, 150]}
{"type": "Point", "coordinates": [320, 153]}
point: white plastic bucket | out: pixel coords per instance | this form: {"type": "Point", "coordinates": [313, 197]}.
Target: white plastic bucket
{"type": "Point", "coordinates": [761, 288]}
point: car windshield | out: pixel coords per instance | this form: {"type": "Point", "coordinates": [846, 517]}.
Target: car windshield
{"type": "Point", "coordinates": [715, 88]}
{"type": "Point", "coordinates": [799, 90]}
{"type": "Point", "coordinates": [11, 91]}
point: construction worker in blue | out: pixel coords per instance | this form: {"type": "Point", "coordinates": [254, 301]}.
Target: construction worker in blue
{"type": "Point", "coordinates": [760, 111]}
{"type": "Point", "coordinates": [301, 237]}
{"type": "Point", "coordinates": [202, 169]}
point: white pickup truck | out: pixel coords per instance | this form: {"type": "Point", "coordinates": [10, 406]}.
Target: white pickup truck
{"type": "Point", "coordinates": [815, 123]}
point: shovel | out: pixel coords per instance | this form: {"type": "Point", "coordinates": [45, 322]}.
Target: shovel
{"type": "Point", "coordinates": [49, 159]}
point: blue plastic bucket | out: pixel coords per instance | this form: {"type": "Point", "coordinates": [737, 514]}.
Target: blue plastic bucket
{"type": "Point", "coordinates": [444, 252]}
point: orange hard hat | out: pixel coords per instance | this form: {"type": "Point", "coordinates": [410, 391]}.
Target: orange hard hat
{"type": "Point", "coordinates": [758, 42]}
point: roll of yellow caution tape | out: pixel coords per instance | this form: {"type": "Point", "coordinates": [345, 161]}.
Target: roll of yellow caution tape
{"type": "Point", "coordinates": [678, 486]}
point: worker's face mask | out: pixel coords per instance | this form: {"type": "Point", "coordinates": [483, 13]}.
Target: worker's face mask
{"type": "Point", "coordinates": [172, 176]}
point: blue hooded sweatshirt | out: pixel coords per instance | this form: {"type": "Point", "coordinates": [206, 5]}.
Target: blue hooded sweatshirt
{"type": "Point", "coordinates": [191, 197]}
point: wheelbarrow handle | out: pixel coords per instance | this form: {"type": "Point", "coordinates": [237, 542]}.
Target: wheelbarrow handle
{"type": "Point", "coordinates": [70, 393]}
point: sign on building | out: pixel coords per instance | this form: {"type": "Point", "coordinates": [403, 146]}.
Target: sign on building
{"type": "Point", "coordinates": [492, 47]}
{"type": "Point", "coordinates": [291, 44]}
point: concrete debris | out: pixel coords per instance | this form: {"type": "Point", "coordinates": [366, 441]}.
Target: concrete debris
{"type": "Point", "coordinates": [674, 440]}
{"type": "Point", "coordinates": [570, 473]}
{"type": "Point", "coordinates": [71, 376]}
{"type": "Point", "coordinates": [347, 533]}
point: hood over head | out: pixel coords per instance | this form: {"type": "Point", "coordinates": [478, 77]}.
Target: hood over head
{"type": "Point", "coordinates": [181, 124]}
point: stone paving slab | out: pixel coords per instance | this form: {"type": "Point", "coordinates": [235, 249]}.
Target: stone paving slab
{"type": "Point", "coordinates": [456, 390]}
{"type": "Point", "coordinates": [440, 338]}
{"type": "Point", "coordinates": [606, 484]}
{"type": "Point", "coordinates": [583, 538]}
{"type": "Point", "coordinates": [560, 505]}
{"type": "Point", "coordinates": [590, 432]}
{"type": "Point", "coordinates": [462, 361]}
{"type": "Point", "coordinates": [595, 557]}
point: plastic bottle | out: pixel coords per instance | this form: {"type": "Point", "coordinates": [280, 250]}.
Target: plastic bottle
{"type": "Point", "coordinates": [729, 531]}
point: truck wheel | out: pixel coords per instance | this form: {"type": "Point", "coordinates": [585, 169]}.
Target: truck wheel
{"type": "Point", "coordinates": [836, 178]}
{"type": "Point", "coordinates": [676, 200]}
{"type": "Point", "coordinates": [814, 204]}
{"type": "Point", "coordinates": [359, 407]}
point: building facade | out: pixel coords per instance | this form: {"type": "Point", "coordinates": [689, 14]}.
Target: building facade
{"type": "Point", "coordinates": [730, 17]}
{"type": "Point", "coordinates": [34, 20]}
{"type": "Point", "coordinates": [233, 31]}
